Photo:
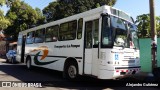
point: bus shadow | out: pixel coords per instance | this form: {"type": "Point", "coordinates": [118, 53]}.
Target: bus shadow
{"type": "Point", "coordinates": [51, 78]}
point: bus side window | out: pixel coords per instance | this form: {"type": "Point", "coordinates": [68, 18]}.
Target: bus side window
{"type": "Point", "coordinates": [95, 33]}
{"type": "Point", "coordinates": [62, 31]}
{"type": "Point", "coordinates": [80, 27]}
{"type": "Point", "coordinates": [88, 34]}
{"type": "Point", "coordinates": [67, 30]}
{"type": "Point", "coordinates": [39, 36]}
{"type": "Point", "coordinates": [30, 38]}
{"type": "Point", "coordinates": [72, 27]}
{"type": "Point", "coordinates": [52, 34]}
{"type": "Point", "coordinates": [106, 34]}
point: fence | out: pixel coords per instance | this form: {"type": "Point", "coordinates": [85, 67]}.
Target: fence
{"type": "Point", "coordinates": [145, 54]}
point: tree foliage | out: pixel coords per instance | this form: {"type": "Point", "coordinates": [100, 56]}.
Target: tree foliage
{"type": "Point", "coordinates": [4, 22]}
{"type": "Point", "coordinates": [64, 8]}
{"type": "Point", "coordinates": [143, 24]}
{"type": "Point", "coordinates": [2, 2]}
{"type": "Point", "coordinates": [22, 16]}
{"type": "Point", "coordinates": [158, 25]}
{"type": "Point", "coordinates": [5, 2]}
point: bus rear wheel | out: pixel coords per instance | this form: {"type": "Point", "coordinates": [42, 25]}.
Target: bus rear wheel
{"type": "Point", "coordinates": [71, 71]}
{"type": "Point", "coordinates": [28, 63]}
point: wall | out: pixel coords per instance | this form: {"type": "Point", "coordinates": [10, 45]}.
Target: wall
{"type": "Point", "coordinates": [145, 54]}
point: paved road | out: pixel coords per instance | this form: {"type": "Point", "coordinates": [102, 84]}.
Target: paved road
{"type": "Point", "coordinates": [52, 80]}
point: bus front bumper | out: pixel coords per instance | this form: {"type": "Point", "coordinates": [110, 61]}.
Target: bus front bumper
{"type": "Point", "coordinates": [118, 72]}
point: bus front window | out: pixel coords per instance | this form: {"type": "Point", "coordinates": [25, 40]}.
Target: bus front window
{"type": "Point", "coordinates": [120, 37]}
{"type": "Point", "coordinates": [117, 32]}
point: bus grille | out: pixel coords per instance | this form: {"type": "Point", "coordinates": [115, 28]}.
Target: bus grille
{"type": "Point", "coordinates": [128, 59]}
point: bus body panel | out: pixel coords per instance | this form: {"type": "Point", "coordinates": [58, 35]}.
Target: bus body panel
{"type": "Point", "coordinates": [59, 51]}
{"type": "Point", "coordinates": [103, 63]}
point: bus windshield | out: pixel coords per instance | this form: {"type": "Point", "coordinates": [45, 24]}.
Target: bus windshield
{"type": "Point", "coordinates": [120, 33]}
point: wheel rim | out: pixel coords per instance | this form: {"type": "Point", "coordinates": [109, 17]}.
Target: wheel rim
{"type": "Point", "coordinates": [28, 64]}
{"type": "Point", "coordinates": [72, 72]}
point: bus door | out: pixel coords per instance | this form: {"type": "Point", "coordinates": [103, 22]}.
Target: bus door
{"type": "Point", "coordinates": [21, 48]}
{"type": "Point", "coordinates": [91, 47]}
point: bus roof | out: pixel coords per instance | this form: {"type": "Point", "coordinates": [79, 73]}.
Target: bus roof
{"type": "Point", "coordinates": [108, 9]}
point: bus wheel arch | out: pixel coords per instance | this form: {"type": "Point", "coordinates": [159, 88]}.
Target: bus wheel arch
{"type": "Point", "coordinates": [28, 62]}
{"type": "Point", "coordinates": [70, 70]}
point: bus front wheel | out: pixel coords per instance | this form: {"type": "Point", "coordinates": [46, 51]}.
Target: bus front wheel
{"type": "Point", "coordinates": [71, 71]}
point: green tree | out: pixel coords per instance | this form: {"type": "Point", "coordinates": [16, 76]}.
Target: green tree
{"type": "Point", "coordinates": [50, 12]}
{"type": "Point", "coordinates": [2, 2]}
{"type": "Point", "coordinates": [158, 25]}
{"type": "Point", "coordinates": [4, 22]}
{"type": "Point", "coordinates": [6, 2]}
{"type": "Point", "coordinates": [64, 8]}
{"type": "Point", "coordinates": [143, 24]}
{"type": "Point", "coordinates": [22, 16]}
{"type": "Point", "coordinates": [41, 18]}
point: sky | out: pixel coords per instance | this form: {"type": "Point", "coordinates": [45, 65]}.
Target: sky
{"type": "Point", "coordinates": [34, 3]}
{"type": "Point", "coordinates": [137, 7]}
{"type": "Point", "coordinates": [38, 3]}
{"type": "Point", "coordinates": [132, 7]}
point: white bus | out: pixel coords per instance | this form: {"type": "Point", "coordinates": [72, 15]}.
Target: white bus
{"type": "Point", "coordinates": [101, 42]}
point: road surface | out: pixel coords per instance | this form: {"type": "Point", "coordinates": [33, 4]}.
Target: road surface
{"type": "Point", "coordinates": [52, 80]}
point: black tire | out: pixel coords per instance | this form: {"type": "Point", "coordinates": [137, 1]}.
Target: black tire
{"type": "Point", "coordinates": [28, 63]}
{"type": "Point", "coordinates": [71, 71]}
